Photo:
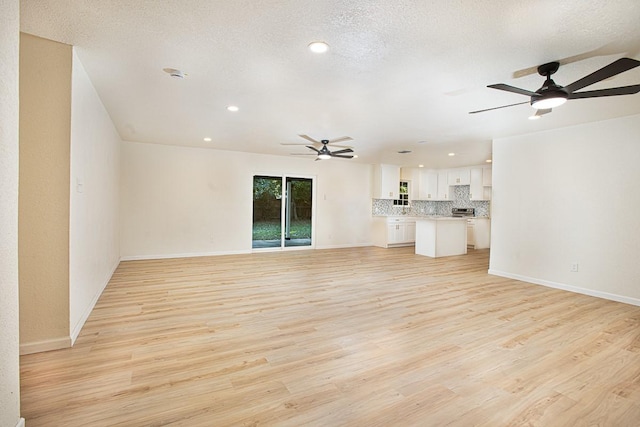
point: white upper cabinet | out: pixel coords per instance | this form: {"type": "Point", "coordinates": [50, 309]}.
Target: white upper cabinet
{"type": "Point", "coordinates": [476, 191]}
{"type": "Point", "coordinates": [386, 181]}
{"type": "Point", "coordinates": [443, 185]}
{"type": "Point", "coordinates": [486, 177]}
{"type": "Point", "coordinates": [479, 189]}
{"type": "Point", "coordinates": [460, 176]}
{"type": "Point", "coordinates": [431, 184]}
{"type": "Point", "coordinates": [428, 185]}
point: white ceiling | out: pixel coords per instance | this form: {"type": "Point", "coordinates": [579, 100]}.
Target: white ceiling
{"type": "Point", "coordinates": [398, 72]}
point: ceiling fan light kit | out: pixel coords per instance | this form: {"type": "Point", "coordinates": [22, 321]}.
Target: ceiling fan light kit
{"type": "Point", "coordinates": [552, 95]}
{"type": "Point", "coordinates": [550, 100]}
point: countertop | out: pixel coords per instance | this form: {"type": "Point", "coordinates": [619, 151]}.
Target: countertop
{"type": "Point", "coordinates": [428, 217]}
{"type": "Point", "coordinates": [440, 218]}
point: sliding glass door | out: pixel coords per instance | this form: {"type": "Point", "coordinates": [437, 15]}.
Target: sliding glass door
{"type": "Point", "coordinates": [267, 212]}
{"type": "Point", "coordinates": [282, 211]}
{"type": "Point", "coordinates": [297, 212]}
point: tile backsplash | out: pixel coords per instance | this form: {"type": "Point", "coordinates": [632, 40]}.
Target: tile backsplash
{"type": "Point", "coordinates": [384, 207]}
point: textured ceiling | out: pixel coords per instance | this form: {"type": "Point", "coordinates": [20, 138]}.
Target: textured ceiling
{"type": "Point", "coordinates": [399, 75]}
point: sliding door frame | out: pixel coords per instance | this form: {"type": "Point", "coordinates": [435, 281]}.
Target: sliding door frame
{"type": "Point", "coordinates": [285, 196]}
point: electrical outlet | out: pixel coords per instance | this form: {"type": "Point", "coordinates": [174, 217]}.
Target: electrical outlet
{"type": "Point", "coordinates": [573, 267]}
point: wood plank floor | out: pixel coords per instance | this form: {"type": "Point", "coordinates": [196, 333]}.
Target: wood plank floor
{"type": "Point", "coordinates": [349, 337]}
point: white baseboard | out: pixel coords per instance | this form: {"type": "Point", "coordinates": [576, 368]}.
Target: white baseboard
{"type": "Point", "coordinates": [570, 288]}
{"type": "Point", "coordinates": [345, 246]}
{"type": "Point", "coordinates": [242, 252]}
{"type": "Point", "coordinates": [78, 327]}
{"type": "Point", "coordinates": [183, 255]}
{"type": "Point", "coordinates": [20, 423]}
{"type": "Point", "coordinates": [45, 345]}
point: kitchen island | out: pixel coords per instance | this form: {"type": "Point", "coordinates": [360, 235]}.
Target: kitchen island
{"type": "Point", "coordinates": [440, 236]}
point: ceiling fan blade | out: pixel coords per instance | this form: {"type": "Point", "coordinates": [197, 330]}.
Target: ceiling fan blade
{"type": "Point", "coordinates": [302, 144]}
{"type": "Point", "coordinates": [342, 138]}
{"type": "Point", "coordinates": [313, 148]}
{"type": "Point", "coordinates": [346, 150]}
{"type": "Point", "coordinates": [341, 156]}
{"type": "Point", "coordinates": [308, 138]}
{"type": "Point", "coordinates": [614, 48]}
{"type": "Point", "coordinates": [497, 108]}
{"type": "Point", "coordinates": [502, 86]}
{"type": "Point", "coordinates": [616, 67]}
{"type": "Point", "coordinates": [303, 154]}
{"type": "Point", "coordinates": [542, 111]}
{"type": "Point", "coordinates": [614, 91]}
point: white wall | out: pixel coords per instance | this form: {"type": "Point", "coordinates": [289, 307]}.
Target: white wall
{"type": "Point", "coordinates": [94, 244]}
{"type": "Point", "coordinates": [565, 196]}
{"type": "Point", "coordinates": [192, 201]}
{"type": "Point", "coordinates": [9, 336]}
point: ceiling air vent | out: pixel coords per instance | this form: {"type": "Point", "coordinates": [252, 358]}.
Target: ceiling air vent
{"type": "Point", "coordinates": [176, 74]}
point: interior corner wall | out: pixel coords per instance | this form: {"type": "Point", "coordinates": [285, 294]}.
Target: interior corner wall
{"type": "Point", "coordinates": [570, 196]}
{"type": "Point", "coordinates": [43, 210]}
{"type": "Point", "coordinates": [181, 201]}
{"type": "Point", "coordinates": [9, 335]}
{"type": "Point", "coordinates": [94, 241]}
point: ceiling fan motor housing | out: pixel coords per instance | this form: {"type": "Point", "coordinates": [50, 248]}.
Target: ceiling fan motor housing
{"type": "Point", "coordinates": [550, 94]}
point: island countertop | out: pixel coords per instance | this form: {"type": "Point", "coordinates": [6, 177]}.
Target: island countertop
{"type": "Point", "coordinates": [440, 218]}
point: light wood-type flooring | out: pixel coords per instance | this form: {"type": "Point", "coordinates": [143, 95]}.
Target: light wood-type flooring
{"type": "Point", "coordinates": [347, 337]}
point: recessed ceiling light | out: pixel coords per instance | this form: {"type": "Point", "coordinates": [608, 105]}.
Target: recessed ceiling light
{"type": "Point", "coordinates": [318, 47]}
{"type": "Point", "coordinates": [207, 139]}
{"type": "Point", "coordinates": [452, 154]}
{"type": "Point", "coordinates": [233, 108]}
{"type": "Point", "coordinates": [420, 166]}
{"type": "Point", "coordinates": [488, 160]}
{"type": "Point", "coordinates": [355, 156]}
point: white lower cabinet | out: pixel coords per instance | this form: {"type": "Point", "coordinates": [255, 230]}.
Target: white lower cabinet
{"type": "Point", "coordinates": [479, 233]}
{"type": "Point", "coordinates": [394, 231]}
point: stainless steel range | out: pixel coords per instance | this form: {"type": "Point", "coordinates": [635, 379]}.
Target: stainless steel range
{"type": "Point", "coordinates": [463, 212]}
{"type": "Point", "coordinates": [470, 214]}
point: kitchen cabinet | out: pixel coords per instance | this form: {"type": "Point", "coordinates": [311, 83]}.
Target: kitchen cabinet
{"type": "Point", "coordinates": [460, 176]}
{"type": "Point", "coordinates": [428, 185]}
{"type": "Point", "coordinates": [410, 231]}
{"type": "Point", "coordinates": [442, 236]}
{"type": "Point", "coordinates": [487, 177]}
{"type": "Point", "coordinates": [443, 185]}
{"type": "Point", "coordinates": [479, 233]}
{"type": "Point", "coordinates": [386, 181]}
{"type": "Point", "coordinates": [478, 191]}
{"type": "Point", "coordinates": [394, 231]}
